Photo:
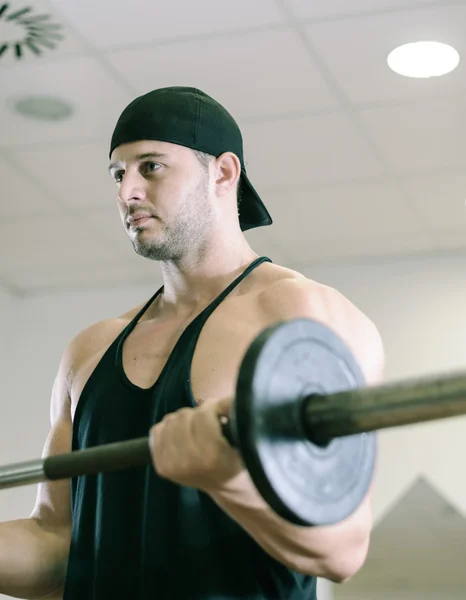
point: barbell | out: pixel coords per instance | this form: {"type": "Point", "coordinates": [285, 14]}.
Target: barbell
{"type": "Point", "coordinates": [303, 420]}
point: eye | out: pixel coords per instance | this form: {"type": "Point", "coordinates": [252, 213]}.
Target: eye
{"type": "Point", "coordinates": [150, 167]}
{"type": "Point", "coordinates": [118, 176]}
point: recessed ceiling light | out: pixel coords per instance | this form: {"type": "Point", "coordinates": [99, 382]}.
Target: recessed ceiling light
{"type": "Point", "coordinates": [423, 59]}
{"type": "Point", "coordinates": [43, 108]}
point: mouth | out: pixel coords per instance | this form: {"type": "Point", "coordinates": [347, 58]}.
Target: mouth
{"type": "Point", "coordinates": [138, 220]}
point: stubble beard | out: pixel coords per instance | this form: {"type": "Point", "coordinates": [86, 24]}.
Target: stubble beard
{"type": "Point", "coordinates": [187, 232]}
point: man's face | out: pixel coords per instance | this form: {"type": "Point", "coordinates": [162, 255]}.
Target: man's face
{"type": "Point", "coordinates": [163, 198]}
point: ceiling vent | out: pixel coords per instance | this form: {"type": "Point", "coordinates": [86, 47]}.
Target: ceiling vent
{"type": "Point", "coordinates": [23, 32]}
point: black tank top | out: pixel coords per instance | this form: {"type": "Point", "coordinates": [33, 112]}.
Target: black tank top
{"type": "Point", "coordinates": [136, 536]}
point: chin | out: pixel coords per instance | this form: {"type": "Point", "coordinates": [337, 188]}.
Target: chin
{"type": "Point", "coordinates": [151, 251]}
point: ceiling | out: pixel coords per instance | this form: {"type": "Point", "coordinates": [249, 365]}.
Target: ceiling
{"type": "Point", "coordinates": [353, 161]}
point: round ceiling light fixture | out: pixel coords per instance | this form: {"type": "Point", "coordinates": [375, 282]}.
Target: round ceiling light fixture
{"type": "Point", "coordinates": [423, 59]}
{"type": "Point", "coordinates": [43, 108]}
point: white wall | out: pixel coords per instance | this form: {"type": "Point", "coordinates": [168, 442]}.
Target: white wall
{"type": "Point", "coordinates": [7, 343]}
{"type": "Point", "coordinates": [6, 305]}
{"type": "Point", "coordinates": [418, 305]}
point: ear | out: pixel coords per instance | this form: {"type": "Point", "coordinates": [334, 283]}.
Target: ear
{"type": "Point", "coordinates": [227, 173]}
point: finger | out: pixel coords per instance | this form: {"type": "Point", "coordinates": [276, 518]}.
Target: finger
{"type": "Point", "coordinates": [222, 407]}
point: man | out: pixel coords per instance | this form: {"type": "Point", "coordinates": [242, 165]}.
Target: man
{"type": "Point", "coordinates": [190, 526]}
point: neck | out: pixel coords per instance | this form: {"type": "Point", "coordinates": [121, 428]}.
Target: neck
{"type": "Point", "coordinates": [203, 274]}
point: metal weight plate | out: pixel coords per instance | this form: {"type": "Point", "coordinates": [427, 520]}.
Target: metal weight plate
{"type": "Point", "coordinates": [304, 483]}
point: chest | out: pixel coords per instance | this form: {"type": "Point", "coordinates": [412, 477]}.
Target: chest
{"type": "Point", "coordinates": [212, 367]}
{"type": "Point", "coordinates": [210, 358]}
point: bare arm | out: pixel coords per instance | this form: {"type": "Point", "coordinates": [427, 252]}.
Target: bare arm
{"type": "Point", "coordinates": [338, 551]}
{"type": "Point", "coordinates": [34, 551]}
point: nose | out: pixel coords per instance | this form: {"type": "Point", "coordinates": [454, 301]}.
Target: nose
{"type": "Point", "coordinates": [132, 190]}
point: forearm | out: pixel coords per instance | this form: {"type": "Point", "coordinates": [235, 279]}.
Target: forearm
{"type": "Point", "coordinates": [335, 552]}
{"type": "Point", "coordinates": [32, 560]}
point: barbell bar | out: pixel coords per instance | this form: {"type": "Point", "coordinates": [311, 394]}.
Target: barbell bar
{"type": "Point", "coordinates": [303, 420]}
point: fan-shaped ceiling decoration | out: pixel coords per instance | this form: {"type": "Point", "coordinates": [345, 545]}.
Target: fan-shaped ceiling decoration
{"type": "Point", "coordinates": [22, 31]}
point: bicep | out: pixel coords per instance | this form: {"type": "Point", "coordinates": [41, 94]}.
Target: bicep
{"type": "Point", "coordinates": [53, 501]}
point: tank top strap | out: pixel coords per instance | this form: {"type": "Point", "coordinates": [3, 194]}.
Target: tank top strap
{"type": "Point", "coordinates": [205, 314]}
{"type": "Point", "coordinates": [194, 328]}
{"type": "Point", "coordinates": [129, 328]}
{"type": "Point", "coordinates": [178, 366]}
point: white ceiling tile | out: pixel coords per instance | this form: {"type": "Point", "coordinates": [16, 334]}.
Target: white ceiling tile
{"type": "Point", "coordinates": [29, 242]}
{"type": "Point", "coordinates": [339, 212]}
{"type": "Point", "coordinates": [272, 72]}
{"type": "Point", "coordinates": [421, 136]}
{"type": "Point", "coordinates": [75, 173]}
{"type": "Point", "coordinates": [60, 226]}
{"type": "Point", "coordinates": [440, 199]}
{"type": "Point", "coordinates": [356, 53]}
{"type": "Point", "coordinates": [306, 151]}
{"type": "Point", "coordinates": [349, 249]}
{"type": "Point", "coordinates": [49, 37]}
{"type": "Point", "coordinates": [324, 8]}
{"type": "Point", "coordinates": [452, 240]}
{"type": "Point", "coordinates": [20, 196]}
{"type": "Point", "coordinates": [96, 97]}
{"type": "Point", "coordinates": [93, 273]}
{"type": "Point", "coordinates": [109, 23]}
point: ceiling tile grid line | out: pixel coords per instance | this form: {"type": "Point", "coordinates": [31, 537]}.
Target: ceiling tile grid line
{"type": "Point", "coordinates": [401, 178]}
{"type": "Point", "coordinates": [121, 23]}
{"type": "Point", "coordinates": [200, 37]}
{"type": "Point", "coordinates": [379, 196]}
{"type": "Point", "coordinates": [272, 118]}
{"type": "Point", "coordinates": [347, 105]}
{"type": "Point", "coordinates": [142, 278]}
{"type": "Point", "coordinates": [381, 179]}
{"type": "Point", "coordinates": [85, 217]}
{"type": "Point", "coordinates": [236, 32]}
{"type": "Point", "coordinates": [94, 52]}
{"type": "Point", "coordinates": [293, 115]}
{"type": "Point", "coordinates": [43, 189]}
{"type": "Point", "coordinates": [88, 49]}
{"type": "Point", "coordinates": [8, 157]}
{"type": "Point", "coordinates": [331, 110]}
{"type": "Point", "coordinates": [257, 119]}
{"type": "Point", "coordinates": [51, 144]}
{"type": "Point", "coordinates": [357, 14]}
{"type": "Point", "coordinates": [62, 208]}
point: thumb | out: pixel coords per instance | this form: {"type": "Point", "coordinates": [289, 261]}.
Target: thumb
{"type": "Point", "coordinates": [221, 409]}
{"type": "Point", "coordinates": [223, 406]}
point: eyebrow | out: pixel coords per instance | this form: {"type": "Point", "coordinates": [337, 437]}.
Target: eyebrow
{"type": "Point", "coordinates": [139, 157]}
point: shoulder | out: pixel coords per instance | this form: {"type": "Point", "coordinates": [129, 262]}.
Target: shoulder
{"type": "Point", "coordinates": [291, 295]}
{"type": "Point", "coordinates": [90, 341]}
